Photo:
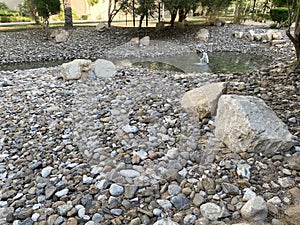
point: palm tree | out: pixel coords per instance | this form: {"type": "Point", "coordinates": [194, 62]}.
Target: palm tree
{"type": "Point", "coordinates": [68, 14]}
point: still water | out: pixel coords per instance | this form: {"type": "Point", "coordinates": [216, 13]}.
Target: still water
{"type": "Point", "coordinates": [219, 62]}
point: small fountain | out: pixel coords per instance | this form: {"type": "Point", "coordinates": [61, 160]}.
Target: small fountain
{"type": "Point", "coordinates": [204, 59]}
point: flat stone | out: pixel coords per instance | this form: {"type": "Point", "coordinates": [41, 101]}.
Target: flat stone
{"type": "Point", "coordinates": [130, 173]}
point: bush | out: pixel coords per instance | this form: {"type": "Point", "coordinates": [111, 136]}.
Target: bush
{"type": "Point", "coordinates": [279, 15]}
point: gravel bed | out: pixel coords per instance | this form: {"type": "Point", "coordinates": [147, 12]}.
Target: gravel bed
{"type": "Point", "coordinates": [123, 151]}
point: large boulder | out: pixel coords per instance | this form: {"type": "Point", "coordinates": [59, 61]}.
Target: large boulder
{"type": "Point", "coordinates": [78, 68]}
{"type": "Point", "coordinates": [145, 41]}
{"type": "Point", "coordinates": [202, 102]}
{"type": "Point", "coordinates": [202, 35]}
{"type": "Point", "coordinates": [60, 35]}
{"type": "Point", "coordinates": [101, 27]}
{"type": "Point", "coordinates": [104, 68]}
{"type": "Point", "coordinates": [246, 123]}
{"type": "Point", "coordinates": [249, 35]}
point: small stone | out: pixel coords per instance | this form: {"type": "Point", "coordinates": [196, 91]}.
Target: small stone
{"type": "Point", "coordinates": [243, 170]}
{"type": "Point", "coordinates": [180, 202]}
{"type": "Point", "coordinates": [130, 129]}
{"type": "Point", "coordinates": [230, 189]}
{"type": "Point", "coordinates": [135, 221]}
{"type": "Point", "coordinates": [174, 189]}
{"type": "Point", "coordinates": [87, 180]}
{"type": "Point", "coordinates": [72, 221]}
{"type": "Point", "coordinates": [97, 218]}
{"type": "Point", "coordinates": [211, 211]}
{"type": "Point", "coordinates": [198, 199]}
{"type": "Point", "coordinates": [130, 191]}
{"type": "Point", "coordinates": [248, 194]}
{"type": "Point", "coordinates": [157, 212]}
{"type": "Point", "coordinates": [165, 222]}
{"type": "Point", "coordinates": [189, 219]}
{"type": "Point", "coordinates": [255, 209]}
{"type": "Point", "coordinates": [47, 171]}
{"type": "Point", "coordinates": [62, 193]}
{"type": "Point", "coordinates": [130, 173]}
{"type": "Point", "coordinates": [116, 212]}
{"type": "Point", "coordinates": [286, 182]}
{"type": "Point", "coordinates": [165, 204]}
{"type": "Point", "coordinates": [116, 190]}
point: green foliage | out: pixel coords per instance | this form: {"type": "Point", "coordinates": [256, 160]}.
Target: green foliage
{"type": "Point", "coordinates": [280, 3]}
{"type": "Point", "coordinates": [25, 8]}
{"type": "Point", "coordinates": [46, 7]}
{"type": "Point", "coordinates": [92, 2]}
{"type": "Point", "coordinates": [7, 19]}
{"type": "Point", "coordinates": [279, 15]}
{"type": "Point", "coordinates": [215, 6]}
{"type": "Point", "coordinates": [3, 6]}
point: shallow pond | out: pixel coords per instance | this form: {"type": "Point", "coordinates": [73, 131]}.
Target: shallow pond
{"type": "Point", "coordinates": [219, 62]}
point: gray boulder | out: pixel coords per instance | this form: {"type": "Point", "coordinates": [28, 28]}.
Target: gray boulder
{"type": "Point", "coordinates": [202, 35]}
{"type": "Point", "coordinates": [202, 102]}
{"type": "Point", "coordinates": [255, 209]}
{"type": "Point", "coordinates": [60, 35]}
{"type": "Point", "coordinates": [101, 27]}
{"type": "Point", "coordinates": [76, 69]}
{"type": "Point", "coordinates": [104, 68]}
{"type": "Point", "coordinates": [246, 123]}
{"type": "Point", "coordinates": [145, 41]}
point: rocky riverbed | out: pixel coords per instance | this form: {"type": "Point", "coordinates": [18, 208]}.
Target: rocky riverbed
{"type": "Point", "coordinates": [122, 150]}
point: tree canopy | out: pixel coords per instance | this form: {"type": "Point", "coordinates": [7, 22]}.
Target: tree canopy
{"type": "Point", "coordinates": [45, 7]}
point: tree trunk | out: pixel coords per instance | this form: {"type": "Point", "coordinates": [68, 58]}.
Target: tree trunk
{"type": "Point", "coordinates": [295, 39]}
{"type": "Point", "coordinates": [173, 17]}
{"type": "Point", "coordinates": [237, 12]}
{"type": "Point", "coordinates": [68, 14]}
{"type": "Point", "coordinates": [181, 15]}
{"type": "Point", "coordinates": [141, 20]}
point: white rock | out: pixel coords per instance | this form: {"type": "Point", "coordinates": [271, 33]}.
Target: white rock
{"type": "Point", "coordinates": [35, 217]}
{"type": "Point", "coordinates": [47, 171]}
{"type": "Point", "coordinates": [249, 35]}
{"type": "Point", "coordinates": [130, 129]}
{"type": "Point", "coordinates": [62, 36]}
{"type": "Point", "coordinates": [277, 36]}
{"type": "Point", "coordinates": [104, 68]}
{"type": "Point", "coordinates": [249, 194]}
{"type": "Point", "coordinates": [145, 41]}
{"type": "Point", "coordinates": [255, 209]}
{"type": "Point", "coordinates": [238, 34]}
{"type": "Point", "coordinates": [101, 27]}
{"type": "Point", "coordinates": [134, 41]}
{"type": "Point", "coordinates": [202, 102]}
{"type": "Point", "coordinates": [165, 204]}
{"type": "Point", "coordinates": [87, 180]}
{"type": "Point", "coordinates": [76, 69]}
{"type": "Point", "coordinates": [243, 170]}
{"type": "Point", "coordinates": [116, 190]}
{"type": "Point", "coordinates": [129, 173]}
{"type": "Point", "coordinates": [62, 193]}
{"type": "Point", "coordinates": [211, 211]}
{"type": "Point", "coordinates": [246, 123]}
{"type": "Point", "coordinates": [165, 222]}
{"type": "Point", "coordinates": [202, 35]}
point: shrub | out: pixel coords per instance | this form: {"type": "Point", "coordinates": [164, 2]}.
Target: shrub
{"type": "Point", "coordinates": [279, 15]}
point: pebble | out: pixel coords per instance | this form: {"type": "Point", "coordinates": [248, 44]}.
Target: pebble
{"type": "Point", "coordinates": [116, 190]}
